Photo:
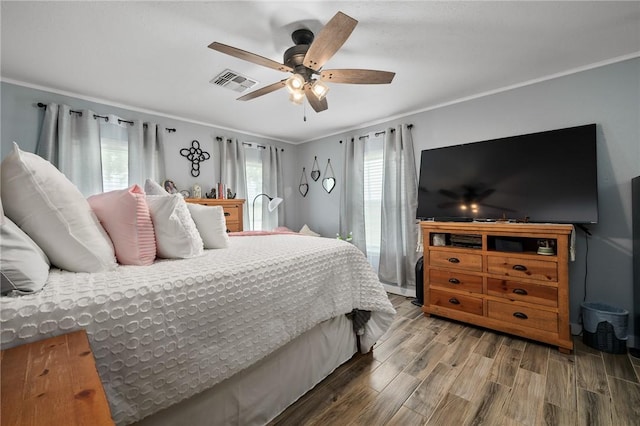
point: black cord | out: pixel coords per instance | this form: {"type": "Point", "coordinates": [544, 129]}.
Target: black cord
{"type": "Point", "coordinates": [587, 234]}
{"type": "Point", "coordinates": [586, 263]}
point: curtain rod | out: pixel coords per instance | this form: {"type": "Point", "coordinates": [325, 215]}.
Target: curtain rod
{"type": "Point", "coordinates": [382, 132]}
{"type": "Point", "coordinates": [256, 144]}
{"type": "Point", "coordinates": [106, 118]}
{"type": "Point", "coordinates": [219, 139]}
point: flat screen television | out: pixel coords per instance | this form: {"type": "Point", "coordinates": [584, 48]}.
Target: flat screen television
{"type": "Point", "coordinates": [545, 177]}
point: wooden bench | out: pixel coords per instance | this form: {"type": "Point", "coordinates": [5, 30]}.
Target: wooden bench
{"type": "Point", "coordinates": [54, 382]}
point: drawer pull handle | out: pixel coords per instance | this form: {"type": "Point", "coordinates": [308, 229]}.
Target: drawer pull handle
{"type": "Point", "coordinates": [520, 291]}
{"type": "Point", "coordinates": [454, 260]}
{"type": "Point", "coordinates": [454, 301]}
{"type": "Point", "coordinates": [227, 214]}
{"type": "Point", "coordinates": [454, 281]}
{"type": "Point", "coordinates": [520, 315]}
{"type": "Point", "coordinates": [519, 267]}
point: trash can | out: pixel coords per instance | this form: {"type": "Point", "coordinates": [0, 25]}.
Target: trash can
{"type": "Point", "coordinates": [605, 327]}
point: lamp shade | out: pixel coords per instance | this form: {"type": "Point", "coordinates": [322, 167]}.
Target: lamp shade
{"type": "Point", "coordinates": [274, 203]}
{"type": "Point", "coordinates": [319, 89]}
{"type": "Point", "coordinates": [295, 82]}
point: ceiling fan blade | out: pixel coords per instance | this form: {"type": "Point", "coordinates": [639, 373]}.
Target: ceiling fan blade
{"type": "Point", "coordinates": [329, 40]}
{"type": "Point", "coordinates": [248, 56]}
{"type": "Point", "coordinates": [317, 105]}
{"type": "Point", "coordinates": [355, 76]}
{"type": "Point", "coordinates": [266, 89]}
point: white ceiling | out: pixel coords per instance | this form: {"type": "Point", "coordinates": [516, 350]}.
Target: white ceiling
{"type": "Point", "coordinates": [153, 56]}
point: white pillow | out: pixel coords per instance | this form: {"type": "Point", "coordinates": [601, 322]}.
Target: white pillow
{"type": "Point", "coordinates": [53, 212]}
{"type": "Point", "coordinates": [151, 187]}
{"type": "Point", "coordinates": [176, 234]}
{"type": "Point", "coordinates": [23, 265]}
{"type": "Point", "coordinates": [211, 225]}
{"type": "Point", "coordinates": [306, 231]}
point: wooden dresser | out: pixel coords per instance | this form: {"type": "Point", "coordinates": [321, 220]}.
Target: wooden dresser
{"type": "Point", "coordinates": [53, 382]}
{"type": "Point", "coordinates": [233, 213]}
{"type": "Point", "coordinates": [491, 275]}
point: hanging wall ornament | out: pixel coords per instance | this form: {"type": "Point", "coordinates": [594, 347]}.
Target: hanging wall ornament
{"type": "Point", "coordinates": [196, 156]}
{"type": "Point", "coordinates": [304, 185]}
{"type": "Point", "coordinates": [315, 170]}
{"type": "Point", "coordinates": [329, 182]}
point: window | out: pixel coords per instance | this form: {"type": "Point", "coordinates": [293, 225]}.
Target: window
{"type": "Point", "coordinates": [253, 168]}
{"type": "Point", "coordinates": [114, 149]}
{"type": "Point", "coordinates": [373, 172]}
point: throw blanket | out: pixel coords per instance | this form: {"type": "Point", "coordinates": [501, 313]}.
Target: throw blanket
{"type": "Point", "coordinates": [165, 332]}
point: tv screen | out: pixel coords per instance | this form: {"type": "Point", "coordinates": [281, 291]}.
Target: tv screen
{"type": "Point", "coordinates": [546, 177]}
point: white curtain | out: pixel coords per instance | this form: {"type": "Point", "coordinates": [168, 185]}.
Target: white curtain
{"type": "Point", "coordinates": [71, 142]}
{"type": "Point", "coordinates": [232, 171]}
{"type": "Point", "coordinates": [75, 143]}
{"type": "Point", "coordinates": [146, 155]}
{"type": "Point", "coordinates": [399, 194]}
{"type": "Point", "coordinates": [273, 186]}
{"type": "Point", "coordinates": [352, 193]}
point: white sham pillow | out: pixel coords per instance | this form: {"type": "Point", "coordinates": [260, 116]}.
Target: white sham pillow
{"type": "Point", "coordinates": [51, 210]}
{"type": "Point", "coordinates": [23, 265]}
{"type": "Point", "coordinates": [211, 225]}
{"type": "Point", "coordinates": [176, 234]}
{"type": "Point", "coordinates": [151, 187]}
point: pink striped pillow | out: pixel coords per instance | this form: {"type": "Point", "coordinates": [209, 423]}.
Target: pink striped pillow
{"type": "Point", "coordinates": [124, 214]}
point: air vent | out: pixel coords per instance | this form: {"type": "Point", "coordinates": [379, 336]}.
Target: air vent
{"type": "Point", "coordinates": [234, 81]}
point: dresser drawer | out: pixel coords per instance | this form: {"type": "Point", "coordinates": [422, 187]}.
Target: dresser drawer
{"type": "Point", "coordinates": [520, 315]}
{"type": "Point", "coordinates": [456, 280]}
{"type": "Point", "coordinates": [523, 268]}
{"type": "Point", "coordinates": [514, 290]}
{"type": "Point", "coordinates": [233, 226]}
{"type": "Point", "coordinates": [446, 259]}
{"type": "Point", "coordinates": [231, 213]}
{"type": "Point", "coordinates": [470, 304]}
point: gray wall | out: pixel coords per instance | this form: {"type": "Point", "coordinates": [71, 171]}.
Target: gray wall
{"type": "Point", "coordinates": [22, 119]}
{"type": "Point", "coordinates": [608, 96]}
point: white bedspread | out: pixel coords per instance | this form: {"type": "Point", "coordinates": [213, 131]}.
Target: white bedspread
{"type": "Point", "coordinates": [165, 332]}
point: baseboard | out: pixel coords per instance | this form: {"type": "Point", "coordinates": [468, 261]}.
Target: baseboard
{"type": "Point", "coordinates": [402, 291]}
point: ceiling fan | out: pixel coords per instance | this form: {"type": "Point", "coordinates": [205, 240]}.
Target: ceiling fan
{"type": "Point", "coordinates": [305, 61]}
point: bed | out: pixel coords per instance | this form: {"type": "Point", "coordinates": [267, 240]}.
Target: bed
{"type": "Point", "coordinates": [230, 337]}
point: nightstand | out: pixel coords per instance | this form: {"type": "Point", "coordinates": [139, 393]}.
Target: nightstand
{"type": "Point", "coordinates": [53, 381]}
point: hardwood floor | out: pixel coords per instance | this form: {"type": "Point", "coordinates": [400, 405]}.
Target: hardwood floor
{"type": "Point", "coordinates": [432, 371]}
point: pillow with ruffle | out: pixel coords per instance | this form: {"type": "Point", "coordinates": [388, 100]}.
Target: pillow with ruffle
{"type": "Point", "coordinates": [211, 225]}
{"type": "Point", "coordinates": [176, 234]}
{"type": "Point", "coordinates": [53, 212]}
{"type": "Point", "coordinates": [125, 216]}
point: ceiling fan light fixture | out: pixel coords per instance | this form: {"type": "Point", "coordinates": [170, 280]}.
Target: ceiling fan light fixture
{"type": "Point", "coordinates": [296, 97]}
{"type": "Point", "coordinates": [319, 89]}
{"type": "Point", "coordinates": [295, 83]}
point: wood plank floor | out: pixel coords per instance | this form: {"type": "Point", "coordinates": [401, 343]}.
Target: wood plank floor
{"type": "Point", "coordinates": [432, 371]}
